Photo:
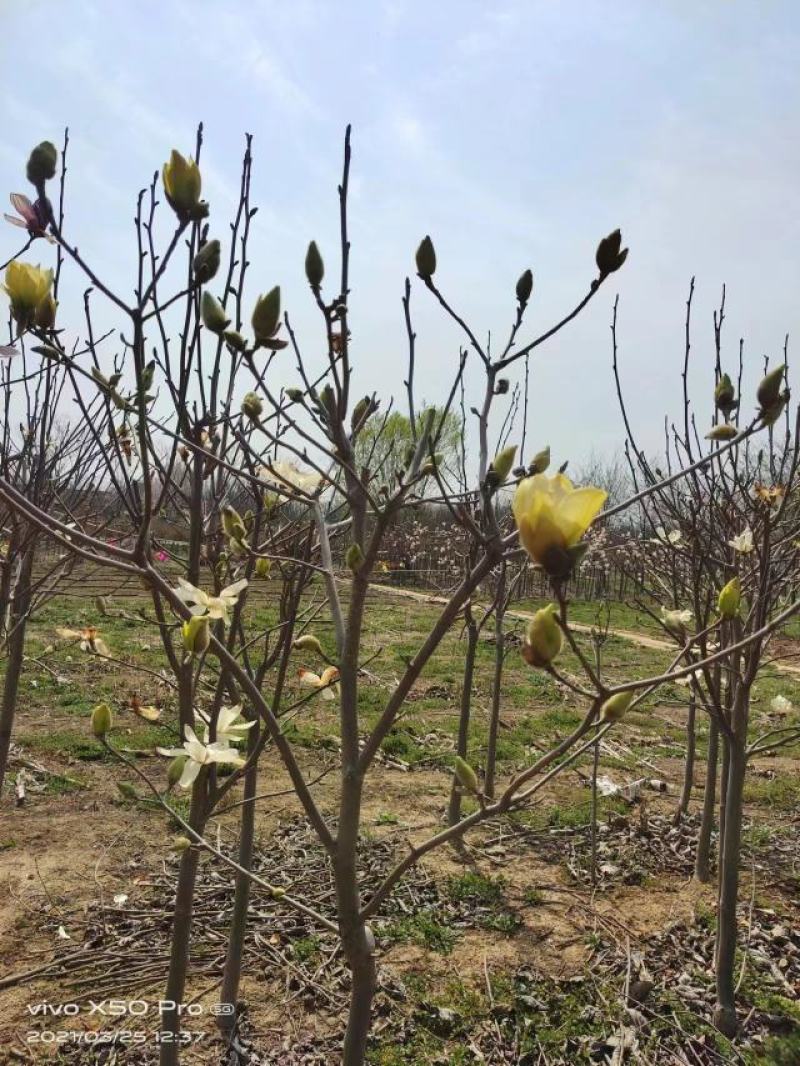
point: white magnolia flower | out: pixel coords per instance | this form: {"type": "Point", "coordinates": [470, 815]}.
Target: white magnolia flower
{"type": "Point", "coordinates": [676, 621]}
{"type": "Point", "coordinates": [199, 755]}
{"type": "Point", "coordinates": [200, 602]}
{"type": "Point", "coordinates": [673, 538]}
{"type": "Point", "coordinates": [321, 681]}
{"type": "Point", "coordinates": [286, 476]}
{"type": "Point", "coordinates": [231, 727]}
{"type": "Point", "coordinates": [780, 705]}
{"type": "Point", "coordinates": [743, 542]}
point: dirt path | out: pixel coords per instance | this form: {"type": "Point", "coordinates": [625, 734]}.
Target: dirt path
{"type": "Point", "coordinates": [624, 634]}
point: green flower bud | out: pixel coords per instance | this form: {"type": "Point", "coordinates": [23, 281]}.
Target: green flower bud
{"type": "Point", "coordinates": [267, 315]}
{"type": "Point", "coordinates": [725, 395]}
{"type": "Point", "coordinates": [196, 634]}
{"type": "Point", "coordinates": [730, 599]}
{"type": "Point", "coordinates": [206, 262]}
{"type": "Point", "coordinates": [540, 461]}
{"type": "Point", "coordinates": [770, 415]}
{"type": "Point", "coordinates": [354, 557]}
{"type": "Point", "coordinates": [609, 257]}
{"type": "Point", "coordinates": [465, 775]}
{"type": "Point", "coordinates": [501, 466]}
{"type": "Point", "coordinates": [252, 406]}
{"type": "Point", "coordinates": [214, 317]}
{"type": "Point", "coordinates": [232, 523]}
{"type": "Point", "coordinates": [426, 258]}
{"type": "Point", "coordinates": [315, 268]}
{"type": "Point", "coordinates": [235, 340]}
{"type": "Point", "coordinates": [42, 163]}
{"type": "Point", "coordinates": [360, 413]}
{"type": "Point", "coordinates": [544, 638]}
{"type": "Point", "coordinates": [181, 844]}
{"type": "Point", "coordinates": [101, 719]}
{"type": "Point", "coordinates": [770, 387]}
{"type": "Point", "coordinates": [616, 707]}
{"type": "Point", "coordinates": [263, 567]}
{"type": "Point", "coordinates": [175, 770]}
{"type": "Point", "coordinates": [182, 185]}
{"type": "Point", "coordinates": [295, 395]}
{"type": "Point", "coordinates": [308, 642]}
{"type": "Point", "coordinates": [724, 431]}
{"type": "Point", "coordinates": [126, 789]}
{"type": "Point", "coordinates": [525, 287]}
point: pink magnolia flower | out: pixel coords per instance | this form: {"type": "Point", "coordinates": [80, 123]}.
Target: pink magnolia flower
{"type": "Point", "coordinates": [33, 217]}
{"type": "Point", "coordinates": [162, 556]}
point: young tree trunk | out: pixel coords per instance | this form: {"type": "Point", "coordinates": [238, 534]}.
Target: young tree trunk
{"type": "Point", "coordinates": [454, 808]}
{"type": "Point", "coordinates": [725, 1014]}
{"type": "Point", "coordinates": [688, 769]}
{"type": "Point", "coordinates": [723, 801]}
{"type": "Point", "coordinates": [241, 900]}
{"type": "Point", "coordinates": [497, 683]}
{"type": "Point", "coordinates": [181, 933]}
{"type": "Point", "coordinates": [18, 623]}
{"type": "Point", "coordinates": [702, 857]}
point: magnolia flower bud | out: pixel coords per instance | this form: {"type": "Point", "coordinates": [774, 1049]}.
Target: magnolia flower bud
{"type": "Point", "coordinates": [101, 719]}
{"type": "Point", "coordinates": [730, 599]}
{"type": "Point", "coordinates": [42, 163]}
{"type": "Point", "coordinates": [206, 262]}
{"type": "Point", "coordinates": [196, 635]}
{"type": "Point", "coordinates": [182, 185]}
{"type": "Point", "coordinates": [770, 387]}
{"type": "Point", "coordinates": [616, 707]}
{"type": "Point", "coordinates": [465, 775]}
{"type": "Point", "coordinates": [725, 395]}
{"type": "Point", "coordinates": [266, 315]}
{"type": "Point", "coordinates": [308, 642]}
{"type": "Point", "coordinates": [426, 258]}
{"type": "Point", "coordinates": [544, 638]}
{"type": "Point", "coordinates": [354, 557]}
{"type": "Point", "coordinates": [609, 257]}
{"type": "Point", "coordinates": [235, 340]}
{"type": "Point", "coordinates": [175, 770]}
{"type": "Point", "coordinates": [252, 406]}
{"type": "Point", "coordinates": [214, 317]}
{"type": "Point", "coordinates": [232, 523]}
{"type": "Point", "coordinates": [502, 386]}
{"type": "Point", "coordinates": [181, 844]}
{"type": "Point", "coordinates": [315, 268]}
{"type": "Point", "coordinates": [501, 466]}
{"type": "Point", "coordinates": [724, 431]}
{"type": "Point", "coordinates": [295, 395]}
{"type": "Point", "coordinates": [540, 461]}
{"type": "Point", "coordinates": [263, 567]}
{"type": "Point", "coordinates": [525, 287]}
{"type": "Point", "coordinates": [360, 412]}
{"type": "Point", "coordinates": [45, 317]}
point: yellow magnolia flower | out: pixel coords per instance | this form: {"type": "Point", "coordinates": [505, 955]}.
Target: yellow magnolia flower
{"type": "Point", "coordinates": [182, 182]}
{"type": "Point", "coordinates": [26, 286]}
{"type": "Point", "coordinates": [552, 516]}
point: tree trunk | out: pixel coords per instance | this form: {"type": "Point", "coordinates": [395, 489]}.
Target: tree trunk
{"type": "Point", "coordinates": [18, 623]}
{"type": "Point", "coordinates": [497, 684]}
{"type": "Point", "coordinates": [702, 858]}
{"type": "Point", "coordinates": [241, 900]}
{"type": "Point", "coordinates": [454, 809]}
{"type": "Point", "coordinates": [725, 1014]}
{"type": "Point", "coordinates": [688, 770]}
{"type": "Point", "coordinates": [181, 933]}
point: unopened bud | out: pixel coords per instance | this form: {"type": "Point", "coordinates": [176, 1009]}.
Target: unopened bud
{"type": "Point", "coordinates": [181, 844]}
{"type": "Point", "coordinates": [616, 707]}
{"type": "Point", "coordinates": [101, 719]}
{"type": "Point", "coordinates": [266, 315]}
{"type": "Point", "coordinates": [42, 163]}
{"type": "Point", "coordinates": [544, 638]}
{"type": "Point", "coordinates": [214, 317]}
{"type": "Point", "coordinates": [426, 258]}
{"type": "Point", "coordinates": [263, 567]}
{"type": "Point", "coordinates": [308, 642]}
{"type": "Point", "coordinates": [725, 395]}
{"type": "Point", "coordinates": [252, 406]}
{"type": "Point", "coordinates": [724, 431]}
{"type": "Point", "coordinates": [354, 557]}
{"type": "Point", "coordinates": [525, 287]}
{"type": "Point", "coordinates": [465, 775]}
{"type": "Point", "coordinates": [770, 387]}
{"type": "Point", "coordinates": [175, 770]}
{"type": "Point", "coordinates": [45, 317]}
{"type": "Point", "coordinates": [315, 268]}
{"type": "Point", "coordinates": [232, 523]}
{"type": "Point", "coordinates": [501, 466]}
{"type": "Point", "coordinates": [540, 461]}
{"type": "Point", "coordinates": [295, 395]}
{"type": "Point", "coordinates": [730, 599]}
{"type": "Point", "coordinates": [196, 635]}
{"type": "Point", "coordinates": [610, 255]}
{"type": "Point", "coordinates": [206, 262]}
{"type": "Point", "coordinates": [235, 340]}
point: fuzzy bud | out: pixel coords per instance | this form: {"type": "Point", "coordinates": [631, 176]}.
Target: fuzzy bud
{"type": "Point", "coordinates": [610, 255]}
{"type": "Point", "coordinates": [769, 388]}
{"type": "Point", "coordinates": [101, 719]}
{"type": "Point", "coordinates": [540, 461]}
{"type": "Point", "coordinates": [308, 642]}
{"type": "Point", "coordinates": [181, 844]}
{"type": "Point", "coordinates": [267, 315]}
{"type": "Point", "coordinates": [426, 258]}
{"type": "Point", "coordinates": [263, 567]}
{"type": "Point", "coordinates": [724, 431]}
{"type": "Point", "coordinates": [235, 340]}
{"type": "Point", "coordinates": [544, 638]}
{"type": "Point", "coordinates": [214, 317]}
{"type": "Point", "coordinates": [525, 287]}
{"type": "Point", "coordinates": [725, 395]}
{"type": "Point", "coordinates": [354, 557]}
{"type": "Point", "coordinates": [465, 775]}
{"type": "Point", "coordinates": [206, 262]}
{"type": "Point", "coordinates": [45, 317]}
{"type": "Point", "coordinates": [730, 599]}
{"type": "Point", "coordinates": [252, 406]}
{"type": "Point", "coordinates": [196, 635]}
{"type": "Point", "coordinates": [616, 707]}
{"type": "Point", "coordinates": [42, 163]}
{"type": "Point", "coordinates": [315, 268]}
{"type": "Point", "coordinates": [175, 770]}
{"type": "Point", "coordinates": [501, 466]}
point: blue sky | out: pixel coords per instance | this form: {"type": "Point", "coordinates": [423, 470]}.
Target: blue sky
{"type": "Point", "coordinates": [515, 133]}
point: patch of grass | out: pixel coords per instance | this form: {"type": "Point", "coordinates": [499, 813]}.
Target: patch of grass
{"type": "Point", "coordinates": [424, 929]}
{"type": "Point", "coordinates": [472, 887]}
{"type": "Point", "coordinates": [780, 793]}
{"type": "Point", "coordinates": [306, 948]}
